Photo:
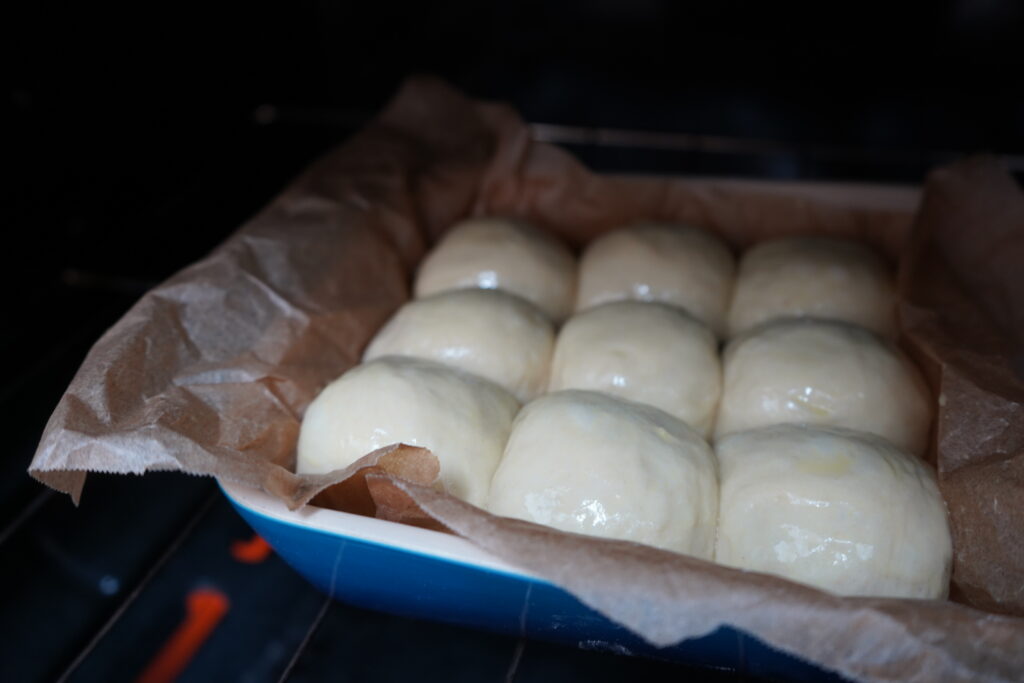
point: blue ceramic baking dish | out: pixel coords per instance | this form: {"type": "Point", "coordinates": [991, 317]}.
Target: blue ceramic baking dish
{"type": "Point", "coordinates": [426, 574]}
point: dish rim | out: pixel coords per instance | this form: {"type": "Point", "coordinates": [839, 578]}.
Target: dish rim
{"type": "Point", "coordinates": [344, 525]}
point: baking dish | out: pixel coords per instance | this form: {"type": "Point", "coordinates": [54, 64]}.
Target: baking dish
{"type": "Point", "coordinates": [211, 372]}
{"type": "Point", "coordinates": [426, 574]}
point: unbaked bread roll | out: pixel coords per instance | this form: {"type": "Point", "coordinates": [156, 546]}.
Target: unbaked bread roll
{"type": "Point", "coordinates": [589, 463]}
{"type": "Point", "coordinates": [463, 419]}
{"type": "Point", "coordinates": [673, 264]}
{"type": "Point", "coordinates": [841, 510]}
{"type": "Point", "coordinates": [645, 352]}
{"type": "Point", "coordinates": [502, 253]}
{"type": "Point", "coordinates": [820, 277]}
{"type": "Point", "coordinates": [828, 373]}
{"type": "Point", "coordinates": [489, 333]}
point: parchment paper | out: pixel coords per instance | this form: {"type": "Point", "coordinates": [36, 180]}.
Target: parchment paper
{"type": "Point", "coordinates": [211, 371]}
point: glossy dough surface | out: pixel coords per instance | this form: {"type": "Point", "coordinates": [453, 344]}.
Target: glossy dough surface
{"type": "Point", "coordinates": [506, 254]}
{"type": "Point", "coordinates": [821, 277]}
{"type": "Point", "coordinates": [589, 463]}
{"type": "Point", "coordinates": [645, 352]}
{"type": "Point", "coordinates": [463, 419]}
{"type": "Point", "coordinates": [673, 264]}
{"type": "Point", "coordinates": [843, 511]}
{"type": "Point", "coordinates": [827, 373]}
{"type": "Point", "coordinates": [487, 332]}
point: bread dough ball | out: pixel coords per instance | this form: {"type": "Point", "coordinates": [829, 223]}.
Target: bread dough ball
{"type": "Point", "coordinates": [673, 264]}
{"type": "Point", "coordinates": [645, 352]}
{"type": "Point", "coordinates": [588, 463]}
{"type": "Point", "coordinates": [489, 333]}
{"type": "Point", "coordinates": [827, 373]}
{"type": "Point", "coordinates": [819, 277]}
{"type": "Point", "coordinates": [502, 253]}
{"type": "Point", "coordinates": [840, 510]}
{"type": "Point", "coordinates": [463, 419]}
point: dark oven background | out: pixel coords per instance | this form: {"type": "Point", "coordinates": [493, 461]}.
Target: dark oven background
{"type": "Point", "coordinates": [139, 137]}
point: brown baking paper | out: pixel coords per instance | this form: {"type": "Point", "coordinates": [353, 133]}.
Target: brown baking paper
{"type": "Point", "coordinates": [211, 371]}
